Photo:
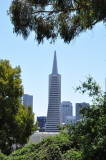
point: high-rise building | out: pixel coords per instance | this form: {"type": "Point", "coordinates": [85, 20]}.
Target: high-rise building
{"type": "Point", "coordinates": [78, 107]}
{"type": "Point", "coordinates": [54, 117]}
{"type": "Point", "coordinates": [41, 123]}
{"type": "Point", "coordinates": [67, 110]}
{"type": "Point", "coordinates": [69, 119]}
{"type": "Point", "coordinates": [27, 100]}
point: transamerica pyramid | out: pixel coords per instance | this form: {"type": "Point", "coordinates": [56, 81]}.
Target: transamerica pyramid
{"type": "Point", "coordinates": [54, 103]}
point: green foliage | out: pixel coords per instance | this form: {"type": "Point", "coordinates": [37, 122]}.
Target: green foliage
{"type": "Point", "coordinates": [56, 18]}
{"type": "Point", "coordinates": [72, 154]}
{"type": "Point", "coordinates": [85, 140]}
{"type": "Point", "coordinates": [88, 134]}
{"type": "Point", "coordinates": [93, 89]}
{"type": "Point", "coordinates": [62, 141]}
{"type": "Point", "coordinates": [16, 122]}
{"type": "Point", "coordinates": [53, 152]}
{"type": "Point", "coordinates": [50, 148]}
{"type": "Point", "coordinates": [2, 156]}
{"type": "Point", "coordinates": [36, 126]}
{"type": "Point", "coordinates": [24, 121]}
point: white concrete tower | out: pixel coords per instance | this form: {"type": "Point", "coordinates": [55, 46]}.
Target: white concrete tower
{"type": "Point", "coordinates": [54, 104]}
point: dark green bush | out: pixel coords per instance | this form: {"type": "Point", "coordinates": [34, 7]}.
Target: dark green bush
{"type": "Point", "coordinates": [50, 148]}
{"type": "Point", "coordinates": [72, 154]}
{"type": "Point", "coordinates": [53, 152]}
{"type": "Point", "coordinates": [2, 156]}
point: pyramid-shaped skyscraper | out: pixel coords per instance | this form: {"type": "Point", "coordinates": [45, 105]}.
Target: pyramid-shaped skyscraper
{"type": "Point", "coordinates": [54, 104]}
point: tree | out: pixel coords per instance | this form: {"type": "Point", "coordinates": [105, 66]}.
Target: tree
{"type": "Point", "coordinates": [56, 18]}
{"type": "Point", "coordinates": [88, 134]}
{"type": "Point", "coordinates": [16, 122]}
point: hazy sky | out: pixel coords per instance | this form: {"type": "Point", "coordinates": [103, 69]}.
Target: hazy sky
{"type": "Point", "coordinates": [83, 56]}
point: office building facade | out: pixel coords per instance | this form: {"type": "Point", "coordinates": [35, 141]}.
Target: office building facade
{"type": "Point", "coordinates": [78, 107]}
{"type": "Point", "coordinates": [41, 123]}
{"type": "Point", "coordinates": [27, 100]}
{"type": "Point", "coordinates": [70, 119]}
{"type": "Point", "coordinates": [67, 110]}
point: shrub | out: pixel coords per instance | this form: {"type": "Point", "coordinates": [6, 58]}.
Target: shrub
{"type": "Point", "coordinates": [2, 156]}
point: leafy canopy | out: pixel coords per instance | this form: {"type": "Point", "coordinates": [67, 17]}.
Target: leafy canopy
{"type": "Point", "coordinates": [85, 140]}
{"type": "Point", "coordinates": [16, 122]}
{"type": "Point", "coordinates": [88, 135]}
{"type": "Point", "coordinates": [56, 18]}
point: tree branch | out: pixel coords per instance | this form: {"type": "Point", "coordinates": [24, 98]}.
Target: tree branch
{"type": "Point", "coordinates": [54, 11]}
{"type": "Point", "coordinates": [96, 21]}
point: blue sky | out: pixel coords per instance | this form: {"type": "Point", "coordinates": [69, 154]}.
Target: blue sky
{"type": "Point", "coordinates": [85, 55]}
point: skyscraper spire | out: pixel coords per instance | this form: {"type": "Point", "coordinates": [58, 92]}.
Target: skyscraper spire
{"type": "Point", "coordinates": [55, 70]}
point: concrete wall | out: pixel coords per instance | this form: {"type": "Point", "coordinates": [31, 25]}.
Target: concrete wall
{"type": "Point", "coordinates": [37, 137]}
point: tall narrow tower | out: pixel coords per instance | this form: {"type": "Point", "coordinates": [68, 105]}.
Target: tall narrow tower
{"type": "Point", "coordinates": [54, 104]}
